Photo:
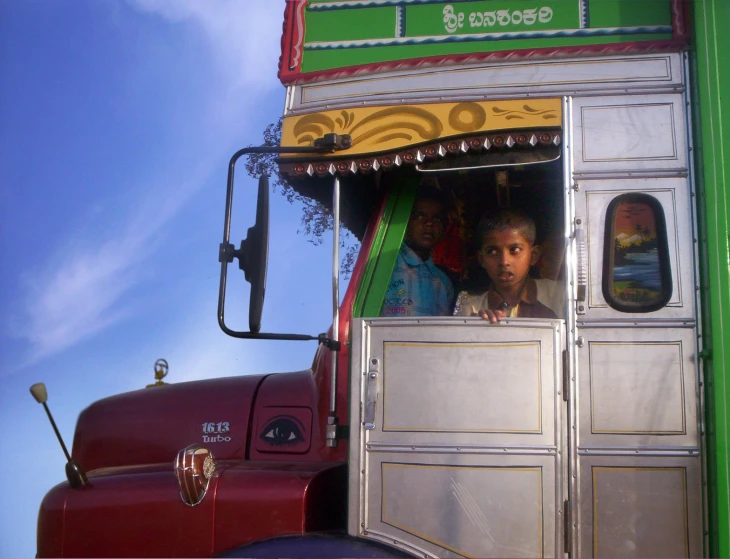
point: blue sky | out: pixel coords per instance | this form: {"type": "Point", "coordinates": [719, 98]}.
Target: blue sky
{"type": "Point", "coordinates": [117, 120]}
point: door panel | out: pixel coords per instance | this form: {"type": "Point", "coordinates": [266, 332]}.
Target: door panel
{"type": "Point", "coordinates": [462, 457]}
{"type": "Point", "coordinates": [505, 410]}
{"type": "Point", "coordinates": [637, 453]}
{"type": "Point", "coordinates": [640, 506]}
{"type": "Point", "coordinates": [636, 460]}
{"type": "Point", "coordinates": [591, 207]}
{"type": "Point", "coordinates": [629, 133]}
{"type": "Point", "coordinates": [454, 505]}
{"type": "Point", "coordinates": [637, 388]}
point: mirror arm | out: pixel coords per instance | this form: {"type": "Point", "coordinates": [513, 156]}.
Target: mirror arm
{"type": "Point", "coordinates": [331, 432]}
{"type": "Point", "coordinates": [259, 149]}
{"type": "Point", "coordinates": [323, 339]}
{"type": "Point", "coordinates": [329, 143]}
{"type": "Point", "coordinates": [329, 343]}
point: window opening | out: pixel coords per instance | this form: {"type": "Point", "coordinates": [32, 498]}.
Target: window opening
{"type": "Point", "coordinates": [535, 189]}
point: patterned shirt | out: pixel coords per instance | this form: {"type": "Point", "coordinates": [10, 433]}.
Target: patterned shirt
{"type": "Point", "coordinates": [417, 288]}
{"type": "Point", "coordinates": [529, 307]}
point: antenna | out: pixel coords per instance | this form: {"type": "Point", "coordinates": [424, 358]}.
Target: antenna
{"type": "Point", "coordinates": [74, 472]}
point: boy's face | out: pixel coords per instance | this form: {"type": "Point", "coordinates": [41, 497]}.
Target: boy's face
{"type": "Point", "coordinates": [507, 256]}
{"type": "Point", "coordinates": [425, 226]}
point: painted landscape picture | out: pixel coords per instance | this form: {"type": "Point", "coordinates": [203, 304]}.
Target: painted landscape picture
{"type": "Point", "coordinates": [637, 270]}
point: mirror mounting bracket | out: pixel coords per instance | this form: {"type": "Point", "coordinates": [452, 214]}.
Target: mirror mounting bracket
{"type": "Point", "coordinates": [227, 252]}
{"type": "Point", "coordinates": [329, 143]}
{"type": "Point", "coordinates": [329, 343]}
{"type": "Point", "coordinates": [333, 142]}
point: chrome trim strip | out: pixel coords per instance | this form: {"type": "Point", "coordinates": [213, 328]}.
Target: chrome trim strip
{"type": "Point", "coordinates": [637, 321]}
{"type": "Point", "coordinates": [632, 174]}
{"type": "Point", "coordinates": [461, 449]}
{"type": "Point", "coordinates": [500, 165]}
{"type": "Point", "coordinates": [335, 288]}
{"type": "Point", "coordinates": [417, 450]}
{"type": "Point", "coordinates": [700, 341]}
{"type": "Point", "coordinates": [639, 451]}
{"type": "Point", "coordinates": [389, 540]}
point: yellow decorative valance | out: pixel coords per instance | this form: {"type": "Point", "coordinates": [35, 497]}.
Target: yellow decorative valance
{"type": "Point", "coordinates": [387, 128]}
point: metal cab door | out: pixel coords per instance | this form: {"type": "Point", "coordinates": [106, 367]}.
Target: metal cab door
{"type": "Point", "coordinates": [636, 460]}
{"type": "Point", "coordinates": [457, 436]}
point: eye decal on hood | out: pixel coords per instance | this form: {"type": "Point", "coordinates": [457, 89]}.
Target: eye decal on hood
{"type": "Point", "coordinates": [283, 430]}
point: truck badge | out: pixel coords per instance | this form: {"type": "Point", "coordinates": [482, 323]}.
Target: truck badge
{"type": "Point", "coordinates": [216, 432]}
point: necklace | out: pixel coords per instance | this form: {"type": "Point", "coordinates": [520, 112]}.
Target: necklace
{"type": "Point", "coordinates": [507, 308]}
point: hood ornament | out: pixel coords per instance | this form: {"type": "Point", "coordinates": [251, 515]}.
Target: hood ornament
{"type": "Point", "coordinates": [161, 369]}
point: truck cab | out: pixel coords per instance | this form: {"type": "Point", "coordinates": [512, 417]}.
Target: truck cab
{"type": "Point", "coordinates": [449, 436]}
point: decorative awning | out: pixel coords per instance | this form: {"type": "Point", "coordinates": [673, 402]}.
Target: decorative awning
{"type": "Point", "coordinates": [393, 135]}
{"type": "Point", "coordinates": [507, 148]}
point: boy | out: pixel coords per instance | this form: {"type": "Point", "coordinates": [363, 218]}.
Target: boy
{"type": "Point", "coordinates": [507, 251]}
{"type": "Point", "coordinates": [418, 287]}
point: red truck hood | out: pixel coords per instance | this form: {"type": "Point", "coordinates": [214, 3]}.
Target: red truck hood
{"type": "Point", "coordinates": [151, 425]}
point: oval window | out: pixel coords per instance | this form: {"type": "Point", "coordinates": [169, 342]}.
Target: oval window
{"type": "Point", "coordinates": [636, 273]}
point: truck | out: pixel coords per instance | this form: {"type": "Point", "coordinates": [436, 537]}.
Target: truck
{"type": "Point", "coordinates": [600, 433]}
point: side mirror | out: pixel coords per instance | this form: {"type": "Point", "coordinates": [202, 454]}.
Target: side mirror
{"type": "Point", "coordinates": [253, 253]}
{"type": "Point", "coordinates": [253, 256]}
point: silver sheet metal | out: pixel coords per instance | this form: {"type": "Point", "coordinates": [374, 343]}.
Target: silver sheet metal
{"type": "Point", "coordinates": [463, 457]}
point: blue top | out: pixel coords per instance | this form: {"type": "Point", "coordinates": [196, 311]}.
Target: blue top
{"type": "Point", "coordinates": [417, 288]}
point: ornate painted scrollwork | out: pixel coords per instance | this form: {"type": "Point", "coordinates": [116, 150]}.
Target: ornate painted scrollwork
{"type": "Point", "coordinates": [394, 127]}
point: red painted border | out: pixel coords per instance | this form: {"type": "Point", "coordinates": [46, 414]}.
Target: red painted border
{"type": "Point", "coordinates": [292, 41]}
{"type": "Point", "coordinates": [294, 29]}
{"type": "Point", "coordinates": [680, 19]}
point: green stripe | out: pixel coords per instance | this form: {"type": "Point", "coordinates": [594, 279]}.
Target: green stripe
{"type": "Point", "coordinates": [711, 73]}
{"type": "Point", "coordinates": [319, 60]}
{"type": "Point", "coordinates": [448, 20]}
{"type": "Point", "coordinates": [387, 242]}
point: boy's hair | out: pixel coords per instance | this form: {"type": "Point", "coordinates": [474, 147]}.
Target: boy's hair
{"type": "Point", "coordinates": [501, 220]}
{"type": "Point", "coordinates": [430, 191]}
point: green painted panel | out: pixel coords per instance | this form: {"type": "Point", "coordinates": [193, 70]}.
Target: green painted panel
{"type": "Point", "coordinates": [618, 13]}
{"type": "Point", "coordinates": [711, 82]}
{"type": "Point", "coordinates": [387, 243]}
{"type": "Point", "coordinates": [495, 16]}
{"type": "Point", "coordinates": [326, 59]}
{"type": "Point", "coordinates": [343, 34]}
{"type": "Point", "coordinates": [351, 25]}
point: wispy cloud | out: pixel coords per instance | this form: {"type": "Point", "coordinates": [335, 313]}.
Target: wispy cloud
{"type": "Point", "coordinates": [82, 290]}
{"type": "Point", "coordinates": [78, 299]}
{"type": "Point", "coordinates": [243, 36]}
{"type": "Point", "coordinates": [77, 293]}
